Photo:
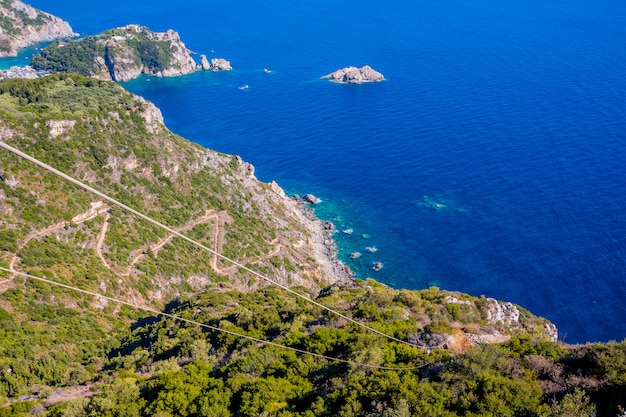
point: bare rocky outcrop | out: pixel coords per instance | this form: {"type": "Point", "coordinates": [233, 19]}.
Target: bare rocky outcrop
{"type": "Point", "coordinates": [122, 62]}
{"type": "Point", "coordinates": [503, 319]}
{"type": "Point", "coordinates": [220, 64]}
{"type": "Point", "coordinates": [505, 313]}
{"type": "Point", "coordinates": [59, 127]}
{"type": "Point", "coordinates": [354, 75]}
{"type": "Point", "coordinates": [312, 241]}
{"type": "Point", "coordinates": [152, 115]}
{"type": "Point", "coordinates": [124, 53]}
{"type": "Point", "coordinates": [204, 63]}
{"type": "Point", "coordinates": [23, 25]}
{"type": "Point", "coordinates": [216, 64]}
{"type": "Point", "coordinates": [311, 199]}
{"type": "Point", "coordinates": [508, 314]}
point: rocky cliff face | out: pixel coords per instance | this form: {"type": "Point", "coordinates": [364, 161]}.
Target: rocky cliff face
{"type": "Point", "coordinates": [121, 54]}
{"type": "Point", "coordinates": [22, 25]}
{"type": "Point", "coordinates": [134, 50]}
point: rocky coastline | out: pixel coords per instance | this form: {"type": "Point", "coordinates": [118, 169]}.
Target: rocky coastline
{"type": "Point", "coordinates": [318, 238]}
{"type": "Point", "coordinates": [124, 53]}
{"type": "Point", "coordinates": [325, 245]}
{"type": "Point", "coordinates": [23, 25]}
{"type": "Point", "coordinates": [317, 243]}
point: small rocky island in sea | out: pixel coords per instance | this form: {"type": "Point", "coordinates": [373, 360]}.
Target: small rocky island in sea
{"type": "Point", "coordinates": [354, 75]}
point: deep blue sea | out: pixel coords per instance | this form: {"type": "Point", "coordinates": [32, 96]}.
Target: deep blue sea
{"type": "Point", "coordinates": [491, 161]}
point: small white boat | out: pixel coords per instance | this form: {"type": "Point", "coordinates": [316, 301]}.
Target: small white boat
{"type": "Point", "coordinates": [244, 87]}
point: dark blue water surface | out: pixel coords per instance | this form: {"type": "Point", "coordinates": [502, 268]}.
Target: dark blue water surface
{"type": "Point", "coordinates": [491, 161]}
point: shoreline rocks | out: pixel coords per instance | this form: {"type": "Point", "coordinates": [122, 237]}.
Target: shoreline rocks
{"type": "Point", "coordinates": [124, 53]}
{"type": "Point", "coordinates": [219, 64]}
{"type": "Point", "coordinates": [326, 251]}
{"type": "Point", "coordinates": [216, 64]}
{"type": "Point", "coordinates": [377, 266]}
{"type": "Point", "coordinates": [311, 199]}
{"type": "Point", "coordinates": [354, 75]}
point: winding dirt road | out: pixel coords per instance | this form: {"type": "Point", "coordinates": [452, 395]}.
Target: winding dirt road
{"type": "Point", "coordinates": [99, 208]}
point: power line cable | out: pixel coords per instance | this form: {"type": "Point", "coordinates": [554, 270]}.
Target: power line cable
{"type": "Point", "coordinates": [199, 245]}
{"type": "Point", "coordinates": [213, 328]}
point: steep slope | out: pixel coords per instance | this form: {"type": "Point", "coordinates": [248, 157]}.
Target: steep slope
{"type": "Point", "coordinates": [117, 143]}
{"type": "Point", "coordinates": [22, 25]}
{"type": "Point", "coordinates": [120, 54]}
{"type": "Point", "coordinates": [55, 343]}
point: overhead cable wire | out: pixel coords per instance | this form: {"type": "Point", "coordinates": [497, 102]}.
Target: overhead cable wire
{"type": "Point", "coordinates": [213, 328]}
{"type": "Point", "coordinates": [200, 245]}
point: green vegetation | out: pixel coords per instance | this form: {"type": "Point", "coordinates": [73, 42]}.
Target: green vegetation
{"type": "Point", "coordinates": [89, 55]}
{"type": "Point", "coordinates": [77, 56]}
{"type": "Point", "coordinates": [170, 368]}
{"type": "Point", "coordinates": [54, 341]}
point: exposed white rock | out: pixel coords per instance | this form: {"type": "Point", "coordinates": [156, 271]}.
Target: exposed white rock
{"type": "Point", "coordinates": [121, 62]}
{"type": "Point", "coordinates": [245, 168]}
{"type": "Point", "coordinates": [11, 181]}
{"type": "Point", "coordinates": [277, 189]}
{"type": "Point", "coordinates": [59, 127]}
{"type": "Point", "coordinates": [49, 28]}
{"type": "Point", "coordinates": [310, 198]}
{"type": "Point", "coordinates": [220, 64]}
{"type": "Point", "coordinates": [6, 133]}
{"type": "Point", "coordinates": [552, 332]}
{"type": "Point", "coordinates": [505, 313]}
{"type": "Point", "coordinates": [204, 63]}
{"type": "Point", "coordinates": [453, 300]}
{"type": "Point", "coordinates": [181, 62]}
{"type": "Point", "coordinates": [152, 115]}
{"type": "Point", "coordinates": [354, 75]}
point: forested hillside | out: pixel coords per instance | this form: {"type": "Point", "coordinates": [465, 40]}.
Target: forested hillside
{"type": "Point", "coordinates": [119, 54]}
{"type": "Point", "coordinates": [69, 353]}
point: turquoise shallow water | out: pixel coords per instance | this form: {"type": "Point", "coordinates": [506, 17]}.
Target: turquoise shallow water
{"type": "Point", "coordinates": [491, 161]}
